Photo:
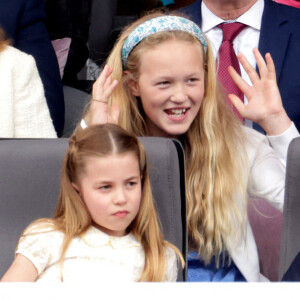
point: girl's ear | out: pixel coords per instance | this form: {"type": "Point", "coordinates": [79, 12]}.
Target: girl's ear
{"type": "Point", "coordinates": [134, 87]}
{"type": "Point", "coordinates": [76, 188]}
{"type": "Point", "coordinates": [132, 84]}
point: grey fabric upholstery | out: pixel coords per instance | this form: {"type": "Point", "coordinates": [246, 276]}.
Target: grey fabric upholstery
{"type": "Point", "coordinates": [75, 102]}
{"type": "Point", "coordinates": [290, 243]}
{"type": "Point", "coordinates": [29, 184]}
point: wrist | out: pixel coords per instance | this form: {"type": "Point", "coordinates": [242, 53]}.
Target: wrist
{"type": "Point", "coordinates": [276, 124]}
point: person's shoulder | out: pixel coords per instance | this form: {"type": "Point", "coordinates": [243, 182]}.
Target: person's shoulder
{"type": "Point", "coordinates": [16, 9]}
{"type": "Point", "coordinates": [42, 227]}
{"type": "Point", "coordinates": [10, 52]}
{"type": "Point", "coordinates": [170, 253]}
{"type": "Point", "coordinates": [290, 12]}
{"type": "Point", "coordinates": [18, 62]}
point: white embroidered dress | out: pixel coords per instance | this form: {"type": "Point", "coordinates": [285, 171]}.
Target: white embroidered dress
{"type": "Point", "coordinates": [93, 257]}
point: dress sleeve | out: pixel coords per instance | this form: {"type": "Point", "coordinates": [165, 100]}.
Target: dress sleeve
{"type": "Point", "coordinates": [171, 265]}
{"type": "Point", "coordinates": [280, 143]}
{"type": "Point", "coordinates": [36, 246]}
{"type": "Point", "coordinates": [268, 164]}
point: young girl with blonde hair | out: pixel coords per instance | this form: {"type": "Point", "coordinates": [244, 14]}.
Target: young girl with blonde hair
{"type": "Point", "coordinates": [160, 80]}
{"type": "Point", "coordinates": [104, 227]}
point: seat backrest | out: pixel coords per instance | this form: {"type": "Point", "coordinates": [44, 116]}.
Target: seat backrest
{"type": "Point", "coordinates": [75, 103]}
{"type": "Point", "coordinates": [290, 242]}
{"type": "Point", "coordinates": [29, 184]}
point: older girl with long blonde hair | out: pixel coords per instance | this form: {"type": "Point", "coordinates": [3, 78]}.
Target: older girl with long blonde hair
{"type": "Point", "coordinates": [160, 80]}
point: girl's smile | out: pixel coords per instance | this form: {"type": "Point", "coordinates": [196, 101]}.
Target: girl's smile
{"type": "Point", "coordinates": [177, 114]}
{"type": "Point", "coordinates": [171, 86]}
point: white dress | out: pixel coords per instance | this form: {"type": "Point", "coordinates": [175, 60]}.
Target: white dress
{"type": "Point", "coordinates": [92, 257]}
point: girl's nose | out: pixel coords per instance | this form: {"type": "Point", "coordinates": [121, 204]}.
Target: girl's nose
{"type": "Point", "coordinates": [179, 94]}
{"type": "Point", "coordinates": [120, 197]}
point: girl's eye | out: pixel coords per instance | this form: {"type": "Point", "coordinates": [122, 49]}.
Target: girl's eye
{"type": "Point", "coordinates": [193, 80]}
{"type": "Point", "coordinates": [163, 83]}
{"type": "Point", "coordinates": [131, 183]}
{"type": "Point", "coordinates": [104, 187]}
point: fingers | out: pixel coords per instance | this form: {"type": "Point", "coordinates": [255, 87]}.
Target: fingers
{"type": "Point", "coordinates": [238, 104]}
{"type": "Point", "coordinates": [261, 64]}
{"type": "Point", "coordinates": [239, 81]}
{"type": "Point", "coordinates": [248, 68]}
{"type": "Point", "coordinates": [102, 90]}
{"type": "Point", "coordinates": [104, 85]}
{"type": "Point", "coordinates": [270, 66]}
{"type": "Point", "coordinates": [265, 66]}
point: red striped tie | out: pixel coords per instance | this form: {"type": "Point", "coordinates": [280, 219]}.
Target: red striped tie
{"type": "Point", "coordinates": [226, 58]}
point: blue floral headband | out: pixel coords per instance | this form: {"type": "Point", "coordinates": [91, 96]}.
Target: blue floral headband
{"type": "Point", "coordinates": [159, 24]}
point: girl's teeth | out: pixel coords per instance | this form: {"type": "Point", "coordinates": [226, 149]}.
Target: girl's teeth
{"type": "Point", "coordinates": [177, 112]}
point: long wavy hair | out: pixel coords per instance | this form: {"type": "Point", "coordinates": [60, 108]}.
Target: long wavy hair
{"type": "Point", "coordinates": [214, 148]}
{"type": "Point", "coordinates": [71, 215]}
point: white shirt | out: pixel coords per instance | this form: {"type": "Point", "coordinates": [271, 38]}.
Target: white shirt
{"type": "Point", "coordinates": [245, 42]}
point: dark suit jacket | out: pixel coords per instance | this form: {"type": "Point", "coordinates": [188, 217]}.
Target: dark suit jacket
{"type": "Point", "coordinates": [293, 272]}
{"type": "Point", "coordinates": [23, 22]}
{"type": "Point", "coordinates": [280, 35]}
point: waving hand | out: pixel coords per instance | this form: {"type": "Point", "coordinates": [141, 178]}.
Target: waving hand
{"type": "Point", "coordinates": [264, 100]}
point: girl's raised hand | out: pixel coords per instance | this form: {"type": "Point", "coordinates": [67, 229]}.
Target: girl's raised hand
{"type": "Point", "coordinates": [102, 90]}
{"type": "Point", "coordinates": [264, 101]}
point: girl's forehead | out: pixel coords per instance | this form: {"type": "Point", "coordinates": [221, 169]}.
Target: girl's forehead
{"type": "Point", "coordinates": [94, 164]}
{"type": "Point", "coordinates": [92, 161]}
{"type": "Point", "coordinates": [174, 40]}
{"type": "Point", "coordinates": [172, 54]}
{"type": "Point", "coordinates": [168, 48]}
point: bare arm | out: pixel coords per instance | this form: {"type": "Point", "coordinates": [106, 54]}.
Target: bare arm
{"type": "Point", "coordinates": [22, 269]}
{"type": "Point", "coordinates": [264, 101]}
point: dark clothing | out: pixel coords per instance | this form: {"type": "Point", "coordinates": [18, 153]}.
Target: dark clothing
{"type": "Point", "coordinates": [280, 35]}
{"type": "Point", "coordinates": [293, 272]}
{"type": "Point", "coordinates": [70, 18]}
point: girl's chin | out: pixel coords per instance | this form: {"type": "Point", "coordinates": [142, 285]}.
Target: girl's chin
{"type": "Point", "coordinates": [176, 132]}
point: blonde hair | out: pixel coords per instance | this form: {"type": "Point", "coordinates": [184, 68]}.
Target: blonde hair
{"type": "Point", "coordinates": [3, 40]}
{"type": "Point", "coordinates": [71, 214]}
{"type": "Point", "coordinates": [214, 148]}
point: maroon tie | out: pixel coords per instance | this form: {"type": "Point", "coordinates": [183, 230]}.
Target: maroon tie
{"type": "Point", "coordinates": [226, 58]}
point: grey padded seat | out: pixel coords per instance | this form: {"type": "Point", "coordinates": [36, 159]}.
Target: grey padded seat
{"type": "Point", "coordinates": [29, 184]}
{"type": "Point", "coordinates": [75, 102]}
{"type": "Point", "coordinates": [290, 243]}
